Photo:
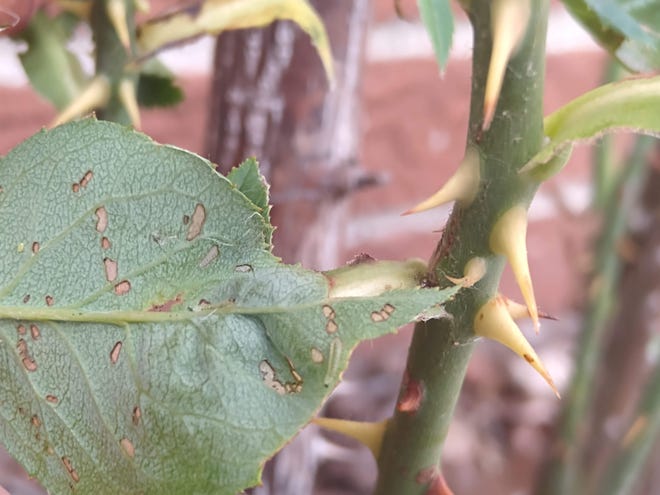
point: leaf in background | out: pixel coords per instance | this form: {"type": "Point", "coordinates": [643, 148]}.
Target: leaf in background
{"type": "Point", "coordinates": [632, 105]}
{"type": "Point", "coordinates": [215, 16]}
{"type": "Point", "coordinates": [149, 341]}
{"type": "Point", "coordinates": [158, 91]}
{"type": "Point", "coordinates": [53, 71]}
{"type": "Point", "coordinates": [250, 182]}
{"type": "Point", "coordinates": [629, 29]}
{"type": "Point", "coordinates": [156, 85]}
{"type": "Point", "coordinates": [439, 22]}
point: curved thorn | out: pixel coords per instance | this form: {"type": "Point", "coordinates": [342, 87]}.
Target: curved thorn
{"type": "Point", "coordinates": [494, 322]}
{"type": "Point", "coordinates": [474, 270]}
{"type": "Point", "coordinates": [519, 311]}
{"type": "Point", "coordinates": [367, 433]}
{"type": "Point", "coordinates": [128, 97]}
{"type": "Point", "coordinates": [508, 239]}
{"type": "Point", "coordinates": [95, 95]}
{"type": "Point", "coordinates": [461, 187]}
{"type": "Point", "coordinates": [509, 19]}
{"type": "Point", "coordinates": [142, 6]}
{"type": "Point", "coordinates": [116, 10]}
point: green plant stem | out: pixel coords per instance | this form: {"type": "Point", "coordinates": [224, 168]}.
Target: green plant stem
{"type": "Point", "coordinates": [563, 472]}
{"type": "Point", "coordinates": [630, 458]}
{"type": "Point", "coordinates": [409, 463]}
{"type": "Point", "coordinates": [112, 58]}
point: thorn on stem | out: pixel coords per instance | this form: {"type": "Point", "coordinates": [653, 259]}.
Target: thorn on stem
{"type": "Point", "coordinates": [508, 239]}
{"type": "Point", "coordinates": [494, 322]}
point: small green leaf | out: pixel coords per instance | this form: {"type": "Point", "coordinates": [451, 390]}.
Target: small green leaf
{"type": "Point", "coordinates": [439, 22]}
{"type": "Point", "coordinates": [629, 29]}
{"type": "Point", "coordinates": [249, 181]}
{"type": "Point", "coordinates": [156, 85]}
{"type": "Point", "coordinates": [215, 16]}
{"type": "Point", "coordinates": [150, 343]}
{"type": "Point", "coordinates": [158, 91]}
{"type": "Point", "coordinates": [53, 71]}
{"type": "Point", "coordinates": [632, 105]}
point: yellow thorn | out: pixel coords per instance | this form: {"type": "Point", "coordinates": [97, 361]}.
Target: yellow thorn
{"type": "Point", "coordinates": [116, 10]}
{"type": "Point", "coordinates": [128, 96]}
{"type": "Point", "coordinates": [142, 6]}
{"type": "Point", "coordinates": [519, 311]}
{"type": "Point", "coordinates": [95, 95]}
{"type": "Point", "coordinates": [493, 321]}
{"type": "Point", "coordinates": [367, 433]}
{"type": "Point", "coordinates": [461, 187]}
{"type": "Point", "coordinates": [474, 270]}
{"type": "Point", "coordinates": [508, 238]}
{"type": "Point", "coordinates": [509, 19]}
{"type": "Point", "coordinates": [79, 8]}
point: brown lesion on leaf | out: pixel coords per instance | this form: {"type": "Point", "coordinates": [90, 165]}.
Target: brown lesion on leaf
{"type": "Point", "coordinates": [26, 298]}
{"type": "Point", "coordinates": [35, 332]}
{"type": "Point", "coordinates": [111, 269]}
{"type": "Point", "coordinates": [101, 219]}
{"type": "Point", "coordinates": [86, 178]}
{"type": "Point", "coordinates": [167, 305]}
{"type": "Point", "coordinates": [53, 399]}
{"type": "Point", "coordinates": [317, 355]}
{"type": "Point", "coordinates": [20, 330]}
{"type": "Point", "coordinates": [210, 256]}
{"type": "Point", "coordinates": [70, 469]}
{"type": "Point", "coordinates": [196, 222]}
{"type": "Point", "coordinates": [116, 350]}
{"type": "Point", "coordinates": [105, 243]}
{"type": "Point", "coordinates": [35, 247]}
{"type": "Point", "coordinates": [137, 415]}
{"type": "Point", "coordinates": [294, 387]}
{"type": "Point", "coordinates": [82, 183]}
{"type": "Point", "coordinates": [122, 288]}
{"type": "Point", "coordinates": [328, 311]}
{"type": "Point", "coordinates": [243, 268]}
{"type": "Point", "coordinates": [28, 361]}
{"type": "Point", "coordinates": [49, 300]}
{"type": "Point", "coordinates": [35, 421]}
{"type": "Point", "coordinates": [331, 326]}
{"type": "Point", "coordinates": [186, 219]}
{"type": "Point", "coordinates": [127, 447]}
{"type": "Point", "coordinates": [269, 377]}
{"type": "Point", "coordinates": [383, 314]}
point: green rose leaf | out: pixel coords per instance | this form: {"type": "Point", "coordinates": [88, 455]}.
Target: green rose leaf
{"type": "Point", "coordinates": [439, 22]}
{"type": "Point", "coordinates": [52, 69]}
{"type": "Point", "coordinates": [628, 29]}
{"type": "Point", "coordinates": [149, 340]}
{"type": "Point", "coordinates": [632, 105]}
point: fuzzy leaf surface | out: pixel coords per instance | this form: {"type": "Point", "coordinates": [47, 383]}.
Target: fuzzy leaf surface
{"type": "Point", "coordinates": [150, 342]}
{"type": "Point", "coordinates": [632, 105]}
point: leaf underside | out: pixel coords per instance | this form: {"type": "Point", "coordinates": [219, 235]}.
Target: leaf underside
{"type": "Point", "coordinates": [149, 340]}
